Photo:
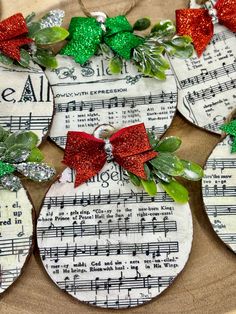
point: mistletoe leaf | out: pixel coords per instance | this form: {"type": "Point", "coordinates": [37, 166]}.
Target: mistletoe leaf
{"type": "Point", "coordinates": [162, 176]}
{"type": "Point", "coordinates": [33, 28]}
{"type": "Point", "coordinates": [24, 58]}
{"type": "Point", "coordinates": [179, 46]}
{"type": "Point", "coordinates": [29, 18]}
{"type": "Point", "coordinates": [169, 144]}
{"type": "Point", "coordinates": [3, 134]}
{"type": "Point", "coordinates": [36, 155]}
{"type": "Point", "coordinates": [2, 149]}
{"type": "Point", "coordinates": [134, 179]}
{"type": "Point", "coordinates": [45, 58]}
{"type": "Point", "coordinates": [168, 164]}
{"type": "Point", "coordinates": [5, 60]}
{"type": "Point", "coordinates": [150, 187]}
{"type": "Point", "coordinates": [27, 139]}
{"type": "Point", "coordinates": [142, 24]}
{"type": "Point", "coordinates": [163, 29]}
{"type": "Point", "coordinates": [115, 65]}
{"type": "Point", "coordinates": [50, 35]}
{"type": "Point", "coordinates": [176, 191]}
{"type": "Point", "coordinates": [16, 153]}
{"type": "Point", "coordinates": [192, 171]}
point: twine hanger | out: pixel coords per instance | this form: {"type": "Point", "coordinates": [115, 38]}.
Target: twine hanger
{"type": "Point", "coordinates": [127, 10]}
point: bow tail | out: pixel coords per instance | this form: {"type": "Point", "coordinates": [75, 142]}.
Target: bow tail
{"type": "Point", "coordinates": [226, 13]}
{"type": "Point", "coordinates": [197, 24]}
{"type": "Point", "coordinates": [11, 48]}
{"type": "Point", "coordinates": [135, 163]}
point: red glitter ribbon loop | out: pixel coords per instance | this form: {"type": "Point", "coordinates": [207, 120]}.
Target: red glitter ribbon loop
{"type": "Point", "coordinates": [12, 36]}
{"type": "Point", "coordinates": [86, 154]}
{"type": "Point", "coordinates": [197, 23]}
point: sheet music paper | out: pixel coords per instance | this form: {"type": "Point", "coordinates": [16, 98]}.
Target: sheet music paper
{"type": "Point", "coordinates": [206, 85]}
{"type": "Point", "coordinates": [26, 101]}
{"type": "Point", "coordinates": [88, 96]}
{"type": "Point", "coordinates": [16, 230]}
{"type": "Point", "coordinates": [219, 192]}
{"type": "Point", "coordinates": [109, 243]}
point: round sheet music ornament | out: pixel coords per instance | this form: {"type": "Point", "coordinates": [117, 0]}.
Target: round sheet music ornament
{"type": "Point", "coordinates": [18, 152]}
{"type": "Point", "coordinates": [25, 96]}
{"type": "Point", "coordinates": [206, 81]}
{"type": "Point", "coordinates": [113, 80]}
{"type": "Point", "coordinates": [218, 187]}
{"type": "Point", "coordinates": [112, 244]}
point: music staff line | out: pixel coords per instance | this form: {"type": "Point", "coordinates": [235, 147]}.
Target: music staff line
{"type": "Point", "coordinates": [118, 302]}
{"type": "Point", "coordinates": [110, 228]}
{"type": "Point", "coordinates": [214, 191]}
{"type": "Point", "coordinates": [221, 163]}
{"type": "Point", "coordinates": [121, 283]}
{"type": "Point", "coordinates": [15, 123]}
{"type": "Point", "coordinates": [7, 276]}
{"type": "Point", "coordinates": [215, 125]}
{"type": "Point", "coordinates": [228, 237]}
{"type": "Point", "coordinates": [210, 92]}
{"type": "Point", "coordinates": [61, 140]}
{"type": "Point", "coordinates": [205, 75]}
{"type": "Point", "coordinates": [105, 199]}
{"type": "Point", "coordinates": [15, 246]}
{"type": "Point", "coordinates": [221, 210]}
{"type": "Point", "coordinates": [116, 102]}
{"type": "Point", "coordinates": [222, 36]}
{"type": "Point", "coordinates": [149, 249]}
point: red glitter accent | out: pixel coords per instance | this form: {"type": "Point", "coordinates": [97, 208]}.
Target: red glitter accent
{"type": "Point", "coordinates": [12, 36]}
{"type": "Point", "coordinates": [86, 154]}
{"type": "Point", "coordinates": [197, 23]}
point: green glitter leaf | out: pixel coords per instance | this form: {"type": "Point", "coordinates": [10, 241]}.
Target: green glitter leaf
{"type": "Point", "coordinates": [230, 128]}
{"type": "Point", "coordinates": [6, 168]}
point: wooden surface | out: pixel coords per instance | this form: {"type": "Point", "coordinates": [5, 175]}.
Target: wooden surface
{"type": "Point", "coordinates": [208, 282]}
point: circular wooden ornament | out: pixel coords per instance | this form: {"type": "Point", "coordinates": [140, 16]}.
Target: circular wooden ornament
{"type": "Point", "coordinates": [219, 192]}
{"type": "Point", "coordinates": [108, 243]}
{"type": "Point", "coordinates": [88, 96]}
{"type": "Point", "coordinates": [26, 100]}
{"type": "Point", "coordinates": [206, 84]}
{"type": "Point", "coordinates": [16, 231]}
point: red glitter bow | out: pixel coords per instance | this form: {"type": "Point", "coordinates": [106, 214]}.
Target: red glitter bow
{"type": "Point", "coordinates": [197, 23]}
{"type": "Point", "coordinates": [12, 36]}
{"type": "Point", "coordinates": [86, 154]}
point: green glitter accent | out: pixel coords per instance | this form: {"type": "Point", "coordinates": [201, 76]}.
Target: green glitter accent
{"type": "Point", "coordinates": [6, 168]}
{"type": "Point", "coordinates": [230, 128]}
{"type": "Point", "coordinates": [86, 35]}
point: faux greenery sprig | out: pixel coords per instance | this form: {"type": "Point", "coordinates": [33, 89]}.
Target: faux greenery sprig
{"type": "Point", "coordinates": [165, 167]}
{"type": "Point", "coordinates": [18, 152]}
{"type": "Point", "coordinates": [44, 32]}
{"type": "Point", "coordinates": [149, 57]}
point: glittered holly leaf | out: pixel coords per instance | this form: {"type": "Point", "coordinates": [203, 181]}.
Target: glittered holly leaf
{"type": "Point", "coordinates": [10, 182]}
{"type": "Point", "coordinates": [176, 191]}
{"type": "Point", "coordinates": [142, 24]}
{"type": "Point", "coordinates": [36, 171]}
{"type": "Point", "coordinates": [192, 171]}
{"type": "Point", "coordinates": [230, 128]}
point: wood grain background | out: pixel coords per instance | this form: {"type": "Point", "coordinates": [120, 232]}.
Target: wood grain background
{"type": "Point", "coordinates": [208, 282]}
